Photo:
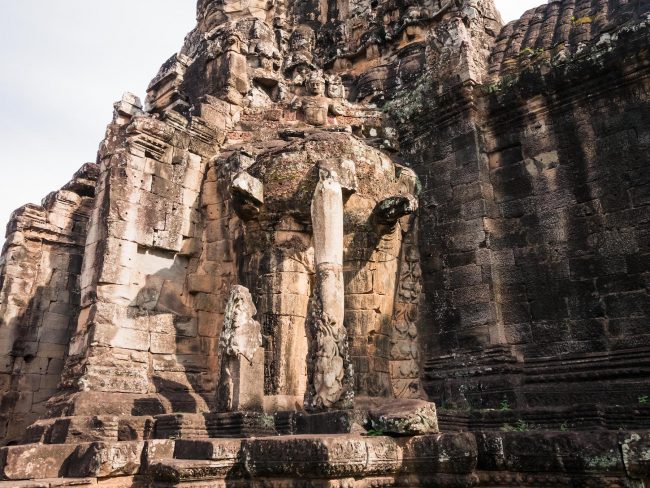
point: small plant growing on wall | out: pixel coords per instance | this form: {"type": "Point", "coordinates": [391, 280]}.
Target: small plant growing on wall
{"type": "Point", "coordinates": [375, 433]}
{"type": "Point", "coordinates": [644, 399]}
{"type": "Point", "coordinates": [520, 426]}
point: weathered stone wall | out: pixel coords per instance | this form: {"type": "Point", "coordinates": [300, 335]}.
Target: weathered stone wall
{"type": "Point", "coordinates": [39, 299]}
{"type": "Point", "coordinates": [536, 195]}
{"type": "Point", "coordinates": [135, 327]}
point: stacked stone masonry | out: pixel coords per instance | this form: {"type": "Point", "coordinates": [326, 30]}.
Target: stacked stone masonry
{"type": "Point", "coordinates": [327, 219]}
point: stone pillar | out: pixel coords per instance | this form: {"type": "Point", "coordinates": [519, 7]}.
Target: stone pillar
{"type": "Point", "coordinates": [242, 356]}
{"type": "Point", "coordinates": [284, 291]}
{"type": "Point", "coordinates": [330, 370]}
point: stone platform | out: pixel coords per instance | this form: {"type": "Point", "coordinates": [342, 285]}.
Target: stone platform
{"type": "Point", "coordinates": [485, 459]}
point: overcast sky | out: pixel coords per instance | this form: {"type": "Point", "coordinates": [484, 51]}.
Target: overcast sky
{"type": "Point", "coordinates": [64, 63]}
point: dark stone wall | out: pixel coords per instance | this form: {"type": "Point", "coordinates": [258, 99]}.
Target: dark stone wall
{"type": "Point", "coordinates": [571, 187]}
{"type": "Point", "coordinates": [535, 233]}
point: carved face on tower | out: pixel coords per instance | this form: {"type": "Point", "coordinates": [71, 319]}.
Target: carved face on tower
{"type": "Point", "coordinates": [212, 13]}
{"type": "Point", "coordinates": [302, 40]}
{"type": "Point", "coordinates": [234, 43]}
{"type": "Point", "coordinates": [316, 85]}
{"type": "Point", "coordinates": [301, 44]}
{"type": "Point", "coordinates": [335, 88]}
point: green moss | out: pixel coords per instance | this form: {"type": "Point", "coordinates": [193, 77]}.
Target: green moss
{"type": "Point", "coordinates": [376, 433]}
{"type": "Point", "coordinates": [267, 421]}
{"type": "Point", "coordinates": [603, 462]}
{"type": "Point", "coordinates": [520, 426]}
{"type": "Point", "coordinates": [493, 88]}
{"type": "Point", "coordinates": [530, 52]}
{"type": "Point", "coordinates": [410, 102]}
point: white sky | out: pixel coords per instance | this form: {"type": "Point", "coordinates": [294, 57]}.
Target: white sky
{"type": "Point", "coordinates": [64, 63]}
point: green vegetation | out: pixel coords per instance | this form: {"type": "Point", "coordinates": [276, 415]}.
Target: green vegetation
{"type": "Point", "coordinates": [643, 399]}
{"type": "Point", "coordinates": [267, 421]}
{"type": "Point", "coordinates": [504, 406]}
{"type": "Point", "coordinates": [530, 52]}
{"type": "Point", "coordinates": [493, 88]}
{"type": "Point", "coordinates": [376, 433]}
{"type": "Point", "coordinates": [520, 426]}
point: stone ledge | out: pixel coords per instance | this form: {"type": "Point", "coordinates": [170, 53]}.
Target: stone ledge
{"type": "Point", "coordinates": [486, 459]}
{"type": "Point", "coordinates": [51, 483]}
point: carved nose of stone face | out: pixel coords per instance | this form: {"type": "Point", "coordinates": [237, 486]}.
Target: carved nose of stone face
{"type": "Point", "coordinates": [391, 209]}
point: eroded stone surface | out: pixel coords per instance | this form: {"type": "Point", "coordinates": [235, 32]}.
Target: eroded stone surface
{"type": "Point", "coordinates": [403, 417]}
{"type": "Point", "coordinates": [242, 356]}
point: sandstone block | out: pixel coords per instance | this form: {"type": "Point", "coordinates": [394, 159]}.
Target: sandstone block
{"type": "Point", "coordinates": [162, 343]}
{"type": "Point", "coordinates": [404, 417]}
{"type": "Point", "coordinates": [114, 336]}
{"type": "Point", "coordinates": [103, 460]}
{"type": "Point", "coordinates": [35, 461]}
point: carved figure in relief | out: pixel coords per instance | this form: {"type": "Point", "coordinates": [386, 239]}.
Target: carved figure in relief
{"type": "Point", "coordinates": [335, 88]}
{"type": "Point", "coordinates": [242, 356]}
{"type": "Point", "coordinates": [234, 69]}
{"type": "Point", "coordinates": [299, 56]}
{"type": "Point", "coordinates": [316, 107]}
{"type": "Point", "coordinates": [297, 292]}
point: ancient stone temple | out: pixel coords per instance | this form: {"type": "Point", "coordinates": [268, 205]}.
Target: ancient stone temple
{"type": "Point", "coordinates": [348, 243]}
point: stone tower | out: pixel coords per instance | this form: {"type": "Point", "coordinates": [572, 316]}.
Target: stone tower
{"type": "Point", "coordinates": [327, 217]}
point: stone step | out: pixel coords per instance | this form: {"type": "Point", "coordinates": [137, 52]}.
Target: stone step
{"type": "Point", "coordinates": [187, 470]}
{"type": "Point", "coordinates": [51, 483]}
{"type": "Point", "coordinates": [84, 460]}
{"type": "Point", "coordinates": [208, 450]}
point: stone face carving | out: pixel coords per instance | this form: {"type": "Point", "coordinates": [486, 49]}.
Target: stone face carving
{"type": "Point", "coordinates": [212, 13]}
{"type": "Point", "coordinates": [335, 88]}
{"type": "Point", "coordinates": [301, 51]}
{"type": "Point", "coordinates": [234, 70]}
{"type": "Point", "coordinates": [242, 356]}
